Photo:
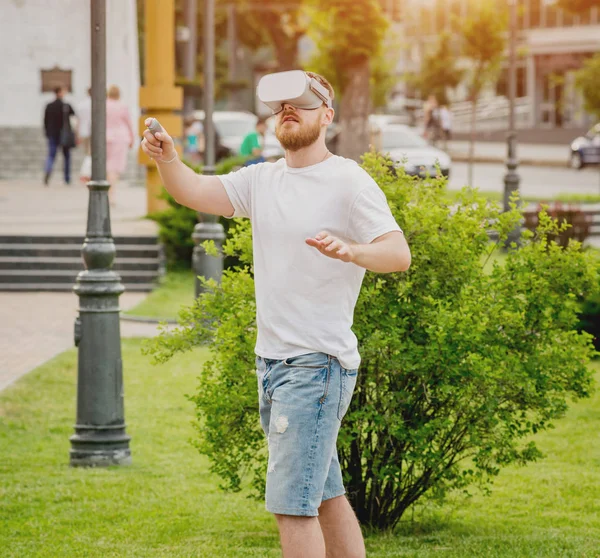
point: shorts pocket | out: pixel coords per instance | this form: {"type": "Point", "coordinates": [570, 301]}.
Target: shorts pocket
{"type": "Point", "coordinates": [347, 385]}
{"type": "Point", "coordinates": [309, 360]}
{"type": "Point", "coordinates": [263, 374]}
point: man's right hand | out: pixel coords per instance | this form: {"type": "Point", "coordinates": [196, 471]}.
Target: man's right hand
{"type": "Point", "coordinates": [201, 193]}
{"type": "Point", "coordinates": [152, 147]}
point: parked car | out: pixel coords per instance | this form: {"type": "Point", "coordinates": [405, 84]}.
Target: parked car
{"type": "Point", "coordinates": [407, 147]}
{"type": "Point", "coordinates": [380, 120]}
{"type": "Point", "coordinates": [376, 121]}
{"type": "Point", "coordinates": [585, 150]}
{"type": "Point", "coordinates": [233, 126]}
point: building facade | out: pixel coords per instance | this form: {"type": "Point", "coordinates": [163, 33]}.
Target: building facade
{"type": "Point", "coordinates": [44, 41]}
{"type": "Point", "coordinates": [552, 45]}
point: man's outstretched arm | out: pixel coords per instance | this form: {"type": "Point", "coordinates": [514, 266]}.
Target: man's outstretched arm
{"type": "Point", "coordinates": [386, 254]}
{"type": "Point", "coordinates": [202, 193]}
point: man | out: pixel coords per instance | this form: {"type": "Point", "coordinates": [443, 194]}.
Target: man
{"type": "Point", "coordinates": [446, 124]}
{"type": "Point", "coordinates": [59, 134]}
{"type": "Point", "coordinates": [318, 222]}
{"type": "Point", "coordinates": [431, 119]}
{"type": "Point", "coordinates": [252, 146]}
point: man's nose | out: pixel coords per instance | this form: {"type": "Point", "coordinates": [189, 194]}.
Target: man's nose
{"type": "Point", "coordinates": [287, 106]}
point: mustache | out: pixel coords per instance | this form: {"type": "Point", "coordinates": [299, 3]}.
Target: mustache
{"type": "Point", "coordinates": [289, 114]}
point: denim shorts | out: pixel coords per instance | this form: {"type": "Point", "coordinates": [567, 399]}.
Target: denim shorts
{"type": "Point", "coordinates": [302, 401]}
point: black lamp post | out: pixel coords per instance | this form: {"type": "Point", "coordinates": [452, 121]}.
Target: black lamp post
{"type": "Point", "coordinates": [100, 437]}
{"type": "Point", "coordinates": [512, 178]}
{"type": "Point", "coordinates": [208, 227]}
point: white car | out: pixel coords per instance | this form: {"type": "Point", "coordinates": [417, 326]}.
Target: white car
{"type": "Point", "coordinates": [234, 126]}
{"type": "Point", "coordinates": [406, 147]}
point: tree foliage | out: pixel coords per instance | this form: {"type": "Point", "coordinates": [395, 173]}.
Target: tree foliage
{"type": "Point", "coordinates": [439, 71]}
{"type": "Point", "coordinates": [462, 362]}
{"type": "Point", "coordinates": [258, 24]}
{"type": "Point", "coordinates": [588, 81]}
{"type": "Point", "coordinates": [483, 36]}
{"type": "Point", "coordinates": [578, 6]}
{"type": "Point", "coordinates": [349, 35]}
{"type": "Point", "coordinates": [383, 71]}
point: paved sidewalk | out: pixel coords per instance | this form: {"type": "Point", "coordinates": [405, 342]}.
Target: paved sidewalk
{"type": "Point", "coordinates": [34, 327]}
{"type": "Point", "coordinates": [495, 152]}
{"type": "Point", "coordinates": [27, 207]}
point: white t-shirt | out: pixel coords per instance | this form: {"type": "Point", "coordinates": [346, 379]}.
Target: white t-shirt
{"type": "Point", "coordinates": [445, 118]}
{"type": "Point", "coordinates": [305, 301]}
{"type": "Point", "coordinates": [84, 116]}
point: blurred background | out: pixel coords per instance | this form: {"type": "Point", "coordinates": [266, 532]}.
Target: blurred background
{"type": "Point", "coordinates": [498, 94]}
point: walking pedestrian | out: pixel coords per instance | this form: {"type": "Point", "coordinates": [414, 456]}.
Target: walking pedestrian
{"type": "Point", "coordinates": [252, 145]}
{"type": "Point", "coordinates": [57, 126]}
{"type": "Point", "coordinates": [446, 124]}
{"type": "Point", "coordinates": [194, 139]}
{"type": "Point", "coordinates": [119, 139]}
{"type": "Point", "coordinates": [318, 222]}
{"type": "Point", "coordinates": [431, 119]}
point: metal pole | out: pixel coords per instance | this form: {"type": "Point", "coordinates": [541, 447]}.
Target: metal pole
{"type": "Point", "coordinates": [209, 86]}
{"type": "Point", "coordinates": [512, 178]}
{"type": "Point", "coordinates": [100, 437]}
{"type": "Point", "coordinates": [208, 228]}
{"type": "Point", "coordinates": [232, 62]}
{"type": "Point", "coordinates": [191, 51]}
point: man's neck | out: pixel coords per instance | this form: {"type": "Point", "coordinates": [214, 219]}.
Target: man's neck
{"type": "Point", "coordinates": [307, 156]}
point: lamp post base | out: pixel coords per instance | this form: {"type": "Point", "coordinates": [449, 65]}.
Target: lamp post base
{"type": "Point", "coordinates": [205, 265]}
{"type": "Point", "coordinates": [99, 447]}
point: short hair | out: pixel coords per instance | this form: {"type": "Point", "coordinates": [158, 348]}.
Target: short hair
{"type": "Point", "coordinates": [114, 92]}
{"type": "Point", "coordinates": [323, 82]}
{"type": "Point", "coordinates": [189, 119]}
{"type": "Point", "coordinates": [58, 89]}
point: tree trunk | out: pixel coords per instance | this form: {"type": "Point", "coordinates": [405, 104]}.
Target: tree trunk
{"type": "Point", "coordinates": [472, 139]}
{"type": "Point", "coordinates": [354, 113]}
{"type": "Point", "coordinates": [286, 47]}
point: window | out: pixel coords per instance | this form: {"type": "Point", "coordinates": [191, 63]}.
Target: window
{"type": "Point", "coordinates": [551, 16]}
{"type": "Point", "coordinates": [535, 13]}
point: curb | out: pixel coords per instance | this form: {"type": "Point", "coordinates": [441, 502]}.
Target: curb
{"type": "Point", "coordinates": [460, 158]}
{"type": "Point", "coordinates": [147, 320]}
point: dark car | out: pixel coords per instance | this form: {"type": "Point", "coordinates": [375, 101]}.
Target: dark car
{"type": "Point", "coordinates": [585, 150]}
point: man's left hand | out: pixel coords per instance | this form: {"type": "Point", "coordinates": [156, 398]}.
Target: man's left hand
{"type": "Point", "coordinates": [332, 247]}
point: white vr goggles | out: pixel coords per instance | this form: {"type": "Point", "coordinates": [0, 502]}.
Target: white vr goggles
{"type": "Point", "coordinates": [294, 87]}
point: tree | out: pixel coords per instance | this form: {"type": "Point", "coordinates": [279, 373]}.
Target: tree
{"type": "Point", "coordinates": [578, 6]}
{"type": "Point", "coordinates": [349, 35]}
{"type": "Point", "coordinates": [483, 34]}
{"type": "Point", "coordinates": [258, 24]}
{"type": "Point", "coordinates": [588, 81]}
{"type": "Point", "coordinates": [277, 24]}
{"type": "Point", "coordinates": [462, 362]}
{"type": "Point", "coordinates": [383, 72]}
{"type": "Point", "coordinates": [438, 71]}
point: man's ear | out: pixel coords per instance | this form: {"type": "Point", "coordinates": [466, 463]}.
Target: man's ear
{"type": "Point", "coordinates": [328, 116]}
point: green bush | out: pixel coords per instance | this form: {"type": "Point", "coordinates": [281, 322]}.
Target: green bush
{"type": "Point", "coordinates": [176, 224]}
{"type": "Point", "coordinates": [579, 221]}
{"type": "Point", "coordinates": [589, 318]}
{"type": "Point", "coordinates": [460, 365]}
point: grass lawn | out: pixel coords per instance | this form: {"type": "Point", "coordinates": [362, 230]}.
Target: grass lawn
{"type": "Point", "coordinates": [167, 504]}
{"type": "Point", "coordinates": [175, 290]}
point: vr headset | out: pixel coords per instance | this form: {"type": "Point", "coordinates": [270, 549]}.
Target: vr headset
{"type": "Point", "coordinates": [294, 87]}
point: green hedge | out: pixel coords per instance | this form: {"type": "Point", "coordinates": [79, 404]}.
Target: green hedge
{"type": "Point", "coordinates": [176, 224]}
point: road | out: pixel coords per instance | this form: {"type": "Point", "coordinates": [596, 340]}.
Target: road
{"type": "Point", "coordinates": [535, 181]}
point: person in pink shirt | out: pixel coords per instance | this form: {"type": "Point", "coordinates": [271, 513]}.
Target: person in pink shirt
{"type": "Point", "coordinates": [119, 138]}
